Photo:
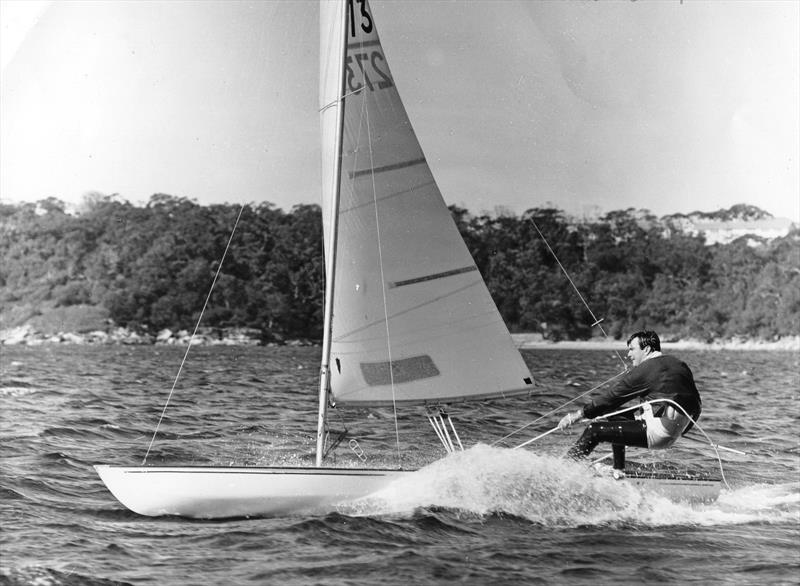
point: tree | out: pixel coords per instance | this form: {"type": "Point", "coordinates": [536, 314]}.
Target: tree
{"type": "Point", "coordinates": [152, 266]}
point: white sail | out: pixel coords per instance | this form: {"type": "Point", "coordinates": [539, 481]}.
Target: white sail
{"type": "Point", "coordinates": [407, 292]}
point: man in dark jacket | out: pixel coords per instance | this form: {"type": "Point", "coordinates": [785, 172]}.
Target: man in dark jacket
{"type": "Point", "coordinates": [653, 376]}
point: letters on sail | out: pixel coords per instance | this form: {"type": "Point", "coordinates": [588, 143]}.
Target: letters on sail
{"type": "Point", "coordinates": [413, 320]}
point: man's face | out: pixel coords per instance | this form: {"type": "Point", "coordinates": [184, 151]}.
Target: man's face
{"type": "Point", "coordinates": [635, 353]}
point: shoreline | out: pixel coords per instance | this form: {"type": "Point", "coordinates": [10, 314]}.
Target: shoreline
{"type": "Point", "coordinates": [27, 335]}
{"type": "Point", "coordinates": [536, 342]}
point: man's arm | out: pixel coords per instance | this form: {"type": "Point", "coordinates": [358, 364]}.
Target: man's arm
{"type": "Point", "coordinates": [632, 385]}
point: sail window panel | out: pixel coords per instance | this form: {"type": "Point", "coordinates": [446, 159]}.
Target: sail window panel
{"type": "Point", "coordinates": [398, 371]}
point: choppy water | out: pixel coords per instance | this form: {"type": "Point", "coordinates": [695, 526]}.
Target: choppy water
{"type": "Point", "coordinates": [488, 515]}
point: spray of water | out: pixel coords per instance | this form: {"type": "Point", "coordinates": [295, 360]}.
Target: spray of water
{"type": "Point", "coordinates": [555, 492]}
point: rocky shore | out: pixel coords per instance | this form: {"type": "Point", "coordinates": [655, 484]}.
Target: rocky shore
{"type": "Point", "coordinates": [28, 335]}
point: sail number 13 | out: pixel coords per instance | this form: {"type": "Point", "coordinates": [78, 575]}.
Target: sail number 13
{"type": "Point", "coordinates": [366, 19]}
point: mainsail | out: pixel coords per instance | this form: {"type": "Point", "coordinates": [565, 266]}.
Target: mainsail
{"type": "Point", "coordinates": [412, 320]}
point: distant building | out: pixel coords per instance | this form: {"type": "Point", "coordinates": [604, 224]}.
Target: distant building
{"type": "Point", "coordinates": [724, 226]}
{"type": "Point", "coordinates": [725, 232]}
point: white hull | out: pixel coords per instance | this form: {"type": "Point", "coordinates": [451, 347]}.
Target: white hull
{"type": "Point", "coordinates": [211, 492]}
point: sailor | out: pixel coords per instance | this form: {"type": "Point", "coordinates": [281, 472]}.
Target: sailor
{"type": "Point", "coordinates": [657, 426]}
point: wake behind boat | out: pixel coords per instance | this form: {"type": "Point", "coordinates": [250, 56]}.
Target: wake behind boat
{"type": "Point", "coordinates": [408, 319]}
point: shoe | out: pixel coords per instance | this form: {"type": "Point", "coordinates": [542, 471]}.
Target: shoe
{"type": "Point", "coordinates": [605, 470]}
{"type": "Point", "coordinates": [602, 469]}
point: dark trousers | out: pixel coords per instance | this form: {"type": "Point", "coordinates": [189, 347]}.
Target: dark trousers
{"type": "Point", "coordinates": [620, 432]}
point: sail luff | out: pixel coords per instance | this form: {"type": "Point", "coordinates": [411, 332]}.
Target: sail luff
{"type": "Point", "coordinates": [330, 251]}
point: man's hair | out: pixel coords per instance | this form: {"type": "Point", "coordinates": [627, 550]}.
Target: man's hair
{"type": "Point", "coordinates": [647, 338]}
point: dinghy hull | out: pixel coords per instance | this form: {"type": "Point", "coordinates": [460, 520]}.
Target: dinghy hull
{"type": "Point", "coordinates": [213, 492]}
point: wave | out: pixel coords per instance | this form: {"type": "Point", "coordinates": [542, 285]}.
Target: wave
{"type": "Point", "coordinates": [14, 391]}
{"type": "Point", "coordinates": [66, 574]}
{"type": "Point", "coordinates": [552, 491]}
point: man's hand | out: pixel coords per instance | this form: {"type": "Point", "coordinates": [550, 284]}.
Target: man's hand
{"type": "Point", "coordinates": [570, 418]}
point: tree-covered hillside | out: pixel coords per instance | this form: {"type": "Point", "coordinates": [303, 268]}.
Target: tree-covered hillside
{"type": "Point", "coordinates": [151, 266]}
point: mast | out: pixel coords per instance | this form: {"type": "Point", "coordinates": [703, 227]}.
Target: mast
{"type": "Point", "coordinates": [330, 265]}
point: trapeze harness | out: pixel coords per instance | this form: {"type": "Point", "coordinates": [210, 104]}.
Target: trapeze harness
{"type": "Point", "coordinates": [645, 430]}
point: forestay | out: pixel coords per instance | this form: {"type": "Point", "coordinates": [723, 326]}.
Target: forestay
{"type": "Point", "coordinates": [406, 291]}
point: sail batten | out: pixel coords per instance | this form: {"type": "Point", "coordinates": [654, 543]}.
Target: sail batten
{"type": "Point", "coordinates": [413, 321]}
{"type": "Point", "coordinates": [385, 168]}
{"type": "Point", "coordinates": [433, 277]}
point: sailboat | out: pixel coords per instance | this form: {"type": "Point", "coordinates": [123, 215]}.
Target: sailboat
{"type": "Point", "coordinates": [408, 319]}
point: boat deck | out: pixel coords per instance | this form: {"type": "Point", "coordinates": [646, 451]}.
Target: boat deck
{"type": "Point", "coordinates": [669, 471]}
{"type": "Point", "coordinates": [674, 482]}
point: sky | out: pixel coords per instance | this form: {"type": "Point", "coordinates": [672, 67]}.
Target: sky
{"type": "Point", "coordinates": [590, 106]}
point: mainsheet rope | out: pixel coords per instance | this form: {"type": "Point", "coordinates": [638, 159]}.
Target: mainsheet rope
{"type": "Point", "coordinates": [557, 409]}
{"type": "Point", "coordinates": [194, 333]}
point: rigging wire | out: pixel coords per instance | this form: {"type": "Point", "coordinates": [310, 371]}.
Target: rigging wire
{"type": "Point", "coordinates": [597, 322]}
{"type": "Point", "coordinates": [194, 333]}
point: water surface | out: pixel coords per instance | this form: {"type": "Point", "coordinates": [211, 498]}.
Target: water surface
{"type": "Point", "coordinates": [486, 515]}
